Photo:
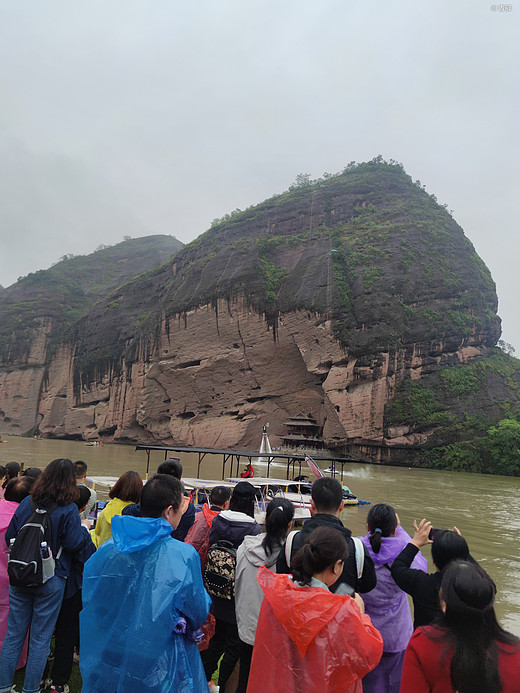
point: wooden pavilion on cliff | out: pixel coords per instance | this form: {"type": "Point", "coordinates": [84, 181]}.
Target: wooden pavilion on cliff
{"type": "Point", "coordinates": [302, 431]}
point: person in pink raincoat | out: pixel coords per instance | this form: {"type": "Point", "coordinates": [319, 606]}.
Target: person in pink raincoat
{"type": "Point", "coordinates": [16, 490]}
{"type": "Point", "coordinates": [308, 638]}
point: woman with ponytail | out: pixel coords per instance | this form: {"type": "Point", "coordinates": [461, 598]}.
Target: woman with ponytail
{"type": "Point", "coordinates": [467, 650]}
{"type": "Point", "coordinates": [308, 638]}
{"type": "Point", "coordinates": [387, 605]}
{"type": "Point", "coordinates": [254, 552]}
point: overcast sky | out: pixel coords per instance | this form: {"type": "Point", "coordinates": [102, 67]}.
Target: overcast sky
{"type": "Point", "coordinates": [134, 117]}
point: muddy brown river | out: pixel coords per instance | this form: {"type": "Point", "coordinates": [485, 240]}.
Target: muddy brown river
{"type": "Point", "coordinates": [485, 508]}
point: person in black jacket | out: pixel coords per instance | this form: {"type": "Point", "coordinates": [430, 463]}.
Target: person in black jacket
{"type": "Point", "coordinates": [424, 587]}
{"type": "Point", "coordinates": [232, 525]}
{"type": "Point", "coordinates": [327, 504]}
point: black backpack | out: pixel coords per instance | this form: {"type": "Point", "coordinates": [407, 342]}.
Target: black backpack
{"type": "Point", "coordinates": [25, 565]}
{"type": "Point", "coordinates": [219, 573]}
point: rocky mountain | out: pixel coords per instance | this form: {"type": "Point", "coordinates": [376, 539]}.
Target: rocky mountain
{"type": "Point", "coordinates": [356, 298]}
{"type": "Point", "coordinates": [37, 315]}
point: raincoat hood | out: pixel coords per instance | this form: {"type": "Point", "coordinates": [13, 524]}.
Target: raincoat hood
{"type": "Point", "coordinates": [7, 510]}
{"type": "Point", "coordinates": [236, 516]}
{"type": "Point", "coordinates": [255, 553]}
{"type": "Point", "coordinates": [136, 533]}
{"type": "Point", "coordinates": [209, 514]}
{"type": "Point", "coordinates": [302, 611]}
{"type": "Point", "coordinates": [391, 547]}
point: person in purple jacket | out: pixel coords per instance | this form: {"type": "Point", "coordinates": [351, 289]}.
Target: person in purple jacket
{"type": "Point", "coordinates": [387, 605]}
{"type": "Point", "coordinates": [233, 524]}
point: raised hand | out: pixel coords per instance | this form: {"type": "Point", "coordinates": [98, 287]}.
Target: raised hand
{"type": "Point", "coordinates": [422, 531]}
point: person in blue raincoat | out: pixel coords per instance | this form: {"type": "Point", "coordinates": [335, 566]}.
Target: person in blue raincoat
{"type": "Point", "coordinates": [143, 601]}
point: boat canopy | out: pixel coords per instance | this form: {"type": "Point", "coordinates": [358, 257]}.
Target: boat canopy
{"type": "Point", "coordinates": [191, 482]}
{"type": "Point", "coordinates": [269, 481]}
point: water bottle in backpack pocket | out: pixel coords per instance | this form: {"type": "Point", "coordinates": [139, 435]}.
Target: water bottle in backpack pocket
{"type": "Point", "coordinates": [48, 562]}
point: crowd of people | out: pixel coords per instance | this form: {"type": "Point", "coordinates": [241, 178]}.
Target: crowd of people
{"type": "Point", "coordinates": [160, 596]}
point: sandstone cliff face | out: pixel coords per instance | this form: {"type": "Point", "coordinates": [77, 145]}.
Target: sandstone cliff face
{"type": "Point", "coordinates": [355, 299]}
{"type": "Point", "coordinates": [215, 386]}
{"type": "Point", "coordinates": [36, 315]}
{"type": "Point", "coordinates": [20, 384]}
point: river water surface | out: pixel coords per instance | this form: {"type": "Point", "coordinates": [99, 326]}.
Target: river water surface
{"type": "Point", "coordinates": [485, 508]}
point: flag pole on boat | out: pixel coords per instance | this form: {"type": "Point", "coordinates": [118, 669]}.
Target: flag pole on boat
{"type": "Point", "coordinates": [313, 467]}
{"type": "Point", "coordinates": [265, 449]}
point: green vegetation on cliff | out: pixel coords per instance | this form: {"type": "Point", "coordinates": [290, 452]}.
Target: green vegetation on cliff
{"type": "Point", "coordinates": [60, 296]}
{"type": "Point", "coordinates": [273, 278]}
{"type": "Point", "coordinates": [495, 451]}
{"type": "Point", "coordinates": [367, 248]}
{"type": "Point", "coordinates": [470, 413]}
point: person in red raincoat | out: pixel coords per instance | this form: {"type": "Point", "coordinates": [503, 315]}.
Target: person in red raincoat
{"type": "Point", "coordinates": [198, 534]}
{"type": "Point", "coordinates": [309, 639]}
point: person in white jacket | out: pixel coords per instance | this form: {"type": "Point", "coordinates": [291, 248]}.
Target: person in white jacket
{"type": "Point", "coordinates": [254, 552]}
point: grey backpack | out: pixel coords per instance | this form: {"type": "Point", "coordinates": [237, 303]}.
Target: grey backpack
{"type": "Point", "coordinates": [358, 547]}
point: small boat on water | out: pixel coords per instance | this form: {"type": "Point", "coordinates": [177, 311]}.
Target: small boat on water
{"type": "Point", "coordinates": [298, 492]}
{"type": "Point", "coordinates": [348, 497]}
{"type": "Point", "coordinates": [267, 489]}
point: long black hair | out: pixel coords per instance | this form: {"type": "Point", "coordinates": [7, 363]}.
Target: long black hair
{"type": "Point", "coordinates": [56, 484]}
{"type": "Point", "coordinates": [449, 546]}
{"type": "Point", "coordinates": [322, 549]}
{"type": "Point", "coordinates": [278, 515]}
{"type": "Point", "coordinates": [243, 498]}
{"type": "Point", "coordinates": [471, 625]}
{"type": "Point", "coordinates": [382, 522]}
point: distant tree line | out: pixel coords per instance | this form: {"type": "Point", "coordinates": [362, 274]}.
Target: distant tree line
{"type": "Point", "coordinates": [304, 180]}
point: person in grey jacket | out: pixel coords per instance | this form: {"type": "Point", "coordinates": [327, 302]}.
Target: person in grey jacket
{"type": "Point", "coordinates": [254, 552]}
